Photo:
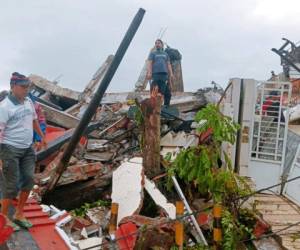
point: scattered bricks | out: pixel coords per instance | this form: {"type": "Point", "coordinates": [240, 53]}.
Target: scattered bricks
{"type": "Point", "coordinates": [80, 223]}
{"type": "Point", "coordinates": [155, 238]}
{"type": "Point", "coordinates": [140, 220]}
{"type": "Point", "coordinates": [205, 220]}
{"type": "Point", "coordinates": [260, 228]}
{"type": "Point", "coordinates": [80, 172]}
{"type": "Point", "coordinates": [99, 215]}
{"type": "Point", "coordinates": [127, 233]}
{"type": "Point", "coordinates": [43, 177]}
{"type": "Point", "coordinates": [122, 124]}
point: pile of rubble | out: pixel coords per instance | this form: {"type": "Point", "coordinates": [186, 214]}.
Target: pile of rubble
{"type": "Point", "coordinates": [106, 165]}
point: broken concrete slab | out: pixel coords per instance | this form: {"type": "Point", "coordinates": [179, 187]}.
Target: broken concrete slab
{"type": "Point", "coordinates": [53, 88]}
{"type": "Point", "coordinates": [97, 145]}
{"type": "Point", "coordinates": [160, 199]}
{"type": "Point", "coordinates": [59, 118]}
{"type": "Point", "coordinates": [179, 139]}
{"type": "Point", "coordinates": [99, 156]}
{"type": "Point", "coordinates": [127, 189]}
{"type": "Point", "coordinates": [99, 215]}
{"type": "Point", "coordinates": [90, 243]}
{"type": "Point", "coordinates": [267, 244]}
{"type": "Point", "coordinates": [169, 150]}
{"type": "Point", "coordinates": [79, 172]}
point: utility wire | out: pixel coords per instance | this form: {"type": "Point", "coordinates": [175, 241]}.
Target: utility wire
{"type": "Point", "coordinates": [181, 218]}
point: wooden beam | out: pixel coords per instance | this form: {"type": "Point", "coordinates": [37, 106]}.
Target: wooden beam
{"type": "Point", "coordinates": [59, 118]}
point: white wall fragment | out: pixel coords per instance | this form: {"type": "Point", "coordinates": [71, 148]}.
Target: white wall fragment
{"type": "Point", "coordinates": [127, 189]}
{"type": "Point", "coordinates": [160, 199]}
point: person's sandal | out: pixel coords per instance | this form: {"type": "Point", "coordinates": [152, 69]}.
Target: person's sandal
{"type": "Point", "coordinates": [23, 223]}
{"type": "Point", "coordinates": [15, 227]}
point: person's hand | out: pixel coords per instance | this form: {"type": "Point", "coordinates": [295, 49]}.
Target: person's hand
{"type": "Point", "coordinates": [44, 143]}
{"type": "Point", "coordinates": [172, 77]}
{"type": "Point", "coordinates": [148, 76]}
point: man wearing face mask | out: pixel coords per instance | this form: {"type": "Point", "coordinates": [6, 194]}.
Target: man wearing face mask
{"type": "Point", "coordinates": [159, 70]}
{"type": "Point", "coordinates": [18, 119]}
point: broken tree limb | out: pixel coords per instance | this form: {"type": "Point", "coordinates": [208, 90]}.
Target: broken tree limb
{"type": "Point", "coordinates": [93, 105]}
{"type": "Point", "coordinates": [151, 135]}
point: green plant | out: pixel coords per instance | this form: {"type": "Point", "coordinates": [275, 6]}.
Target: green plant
{"type": "Point", "coordinates": [224, 128]}
{"type": "Point", "coordinates": [139, 120]}
{"type": "Point", "coordinates": [201, 164]}
{"type": "Point", "coordinates": [202, 167]}
{"type": "Point", "coordinates": [230, 237]}
{"type": "Point", "coordinates": [81, 212]}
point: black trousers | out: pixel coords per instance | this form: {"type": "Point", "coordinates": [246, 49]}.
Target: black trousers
{"type": "Point", "coordinates": [160, 80]}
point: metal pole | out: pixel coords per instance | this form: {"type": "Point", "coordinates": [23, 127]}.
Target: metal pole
{"type": "Point", "coordinates": [189, 210]}
{"type": "Point", "coordinates": [239, 132]}
{"type": "Point", "coordinates": [91, 109]}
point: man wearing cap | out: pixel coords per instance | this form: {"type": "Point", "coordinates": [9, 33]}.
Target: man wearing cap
{"type": "Point", "coordinates": [159, 69]}
{"type": "Point", "coordinates": [17, 122]}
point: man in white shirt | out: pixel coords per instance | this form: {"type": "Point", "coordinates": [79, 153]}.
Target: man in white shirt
{"type": "Point", "coordinates": [17, 121]}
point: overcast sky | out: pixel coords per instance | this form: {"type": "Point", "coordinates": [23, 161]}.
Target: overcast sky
{"type": "Point", "coordinates": [218, 39]}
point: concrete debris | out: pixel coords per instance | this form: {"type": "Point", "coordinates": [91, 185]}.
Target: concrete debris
{"type": "Point", "coordinates": [179, 139]}
{"type": "Point", "coordinates": [99, 165]}
{"type": "Point", "coordinates": [51, 87]}
{"type": "Point", "coordinates": [97, 145]}
{"type": "Point", "coordinates": [267, 244]}
{"type": "Point", "coordinates": [99, 156]}
{"type": "Point", "coordinates": [99, 216]}
{"type": "Point", "coordinates": [127, 188]}
{"type": "Point", "coordinates": [90, 243]}
{"type": "Point", "coordinates": [160, 199]}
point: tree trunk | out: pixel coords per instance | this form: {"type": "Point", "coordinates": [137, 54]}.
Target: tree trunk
{"type": "Point", "coordinates": [151, 135]}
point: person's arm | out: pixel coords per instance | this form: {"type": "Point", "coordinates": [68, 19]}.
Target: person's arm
{"type": "Point", "coordinates": [36, 126]}
{"type": "Point", "coordinates": [3, 121]}
{"type": "Point", "coordinates": [170, 71]}
{"type": "Point", "coordinates": [37, 129]}
{"type": "Point", "coordinates": [149, 70]}
{"type": "Point", "coordinates": [171, 76]}
{"type": "Point", "coordinates": [149, 66]}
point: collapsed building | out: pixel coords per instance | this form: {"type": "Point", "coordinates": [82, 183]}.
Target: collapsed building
{"type": "Point", "coordinates": [113, 189]}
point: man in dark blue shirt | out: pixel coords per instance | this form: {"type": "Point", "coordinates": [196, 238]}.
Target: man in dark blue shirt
{"type": "Point", "coordinates": [160, 71]}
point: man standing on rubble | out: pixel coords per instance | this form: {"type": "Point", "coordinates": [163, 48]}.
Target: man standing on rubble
{"type": "Point", "coordinates": [160, 71]}
{"type": "Point", "coordinates": [17, 121]}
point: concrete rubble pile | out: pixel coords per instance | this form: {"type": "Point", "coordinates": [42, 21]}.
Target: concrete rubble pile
{"type": "Point", "coordinates": [107, 165]}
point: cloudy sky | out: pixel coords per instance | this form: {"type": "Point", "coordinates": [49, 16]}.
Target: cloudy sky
{"type": "Point", "coordinates": [71, 38]}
